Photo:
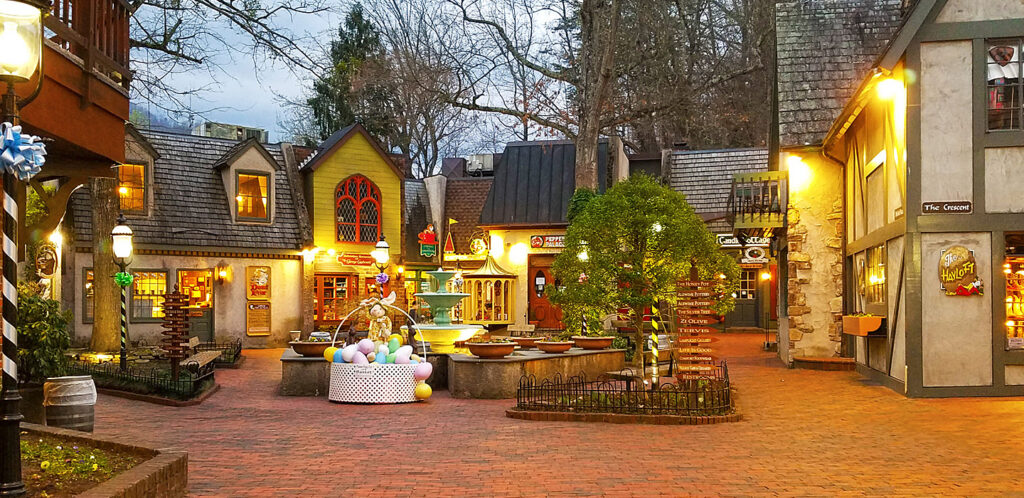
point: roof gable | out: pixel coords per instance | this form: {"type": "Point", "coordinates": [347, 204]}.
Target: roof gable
{"type": "Point", "coordinates": [239, 149]}
{"type": "Point", "coordinates": [337, 140]}
{"type": "Point", "coordinates": [705, 178]}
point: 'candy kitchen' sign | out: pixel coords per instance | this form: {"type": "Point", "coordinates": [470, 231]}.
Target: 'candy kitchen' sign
{"type": "Point", "coordinates": [958, 272]}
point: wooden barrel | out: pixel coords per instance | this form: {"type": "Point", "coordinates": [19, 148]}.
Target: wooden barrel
{"type": "Point", "coordinates": [70, 402]}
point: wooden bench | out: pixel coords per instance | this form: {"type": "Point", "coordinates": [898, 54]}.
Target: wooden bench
{"type": "Point", "coordinates": [202, 358]}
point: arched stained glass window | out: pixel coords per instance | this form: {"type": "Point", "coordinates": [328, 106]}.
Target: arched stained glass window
{"type": "Point", "coordinates": [357, 210]}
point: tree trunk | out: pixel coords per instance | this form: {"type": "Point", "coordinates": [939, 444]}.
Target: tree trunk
{"type": "Point", "coordinates": [106, 328]}
{"type": "Point", "coordinates": [598, 31]}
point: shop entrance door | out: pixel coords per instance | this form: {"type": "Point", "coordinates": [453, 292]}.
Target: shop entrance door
{"type": "Point", "coordinates": [747, 310]}
{"type": "Point", "coordinates": [198, 286]}
{"type": "Point", "coordinates": [542, 313]}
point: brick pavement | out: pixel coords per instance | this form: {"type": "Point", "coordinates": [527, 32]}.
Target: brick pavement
{"type": "Point", "coordinates": [803, 433]}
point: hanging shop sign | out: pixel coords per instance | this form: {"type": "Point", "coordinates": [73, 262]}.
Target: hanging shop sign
{"type": "Point", "coordinates": [465, 257]}
{"type": "Point", "coordinates": [257, 318]}
{"type": "Point", "coordinates": [547, 241]}
{"type": "Point", "coordinates": [478, 246]}
{"type": "Point", "coordinates": [428, 241]}
{"type": "Point", "coordinates": [355, 259]}
{"type": "Point", "coordinates": [693, 294]}
{"type": "Point", "coordinates": [958, 272]}
{"type": "Point", "coordinates": [753, 255]}
{"type": "Point", "coordinates": [257, 282]}
{"type": "Point", "coordinates": [729, 240]}
{"type": "Point", "coordinates": [947, 207]}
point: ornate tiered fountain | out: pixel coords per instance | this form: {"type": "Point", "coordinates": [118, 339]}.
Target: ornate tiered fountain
{"type": "Point", "coordinates": [442, 334]}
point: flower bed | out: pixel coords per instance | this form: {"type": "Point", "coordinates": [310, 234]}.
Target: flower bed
{"type": "Point", "coordinates": [53, 466]}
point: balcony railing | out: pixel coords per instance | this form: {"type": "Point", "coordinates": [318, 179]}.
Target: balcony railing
{"type": "Point", "coordinates": [758, 200]}
{"type": "Point", "coordinates": [95, 32]}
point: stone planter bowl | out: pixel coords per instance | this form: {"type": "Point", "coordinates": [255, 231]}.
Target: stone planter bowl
{"type": "Point", "coordinates": [593, 343]}
{"type": "Point", "coordinates": [554, 347]}
{"type": "Point", "coordinates": [311, 349]}
{"type": "Point", "coordinates": [491, 350]}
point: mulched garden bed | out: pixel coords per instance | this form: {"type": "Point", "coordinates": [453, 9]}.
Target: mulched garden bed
{"type": "Point", "coordinates": [51, 466]}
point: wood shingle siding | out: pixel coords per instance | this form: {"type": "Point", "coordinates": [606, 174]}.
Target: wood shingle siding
{"type": "Point", "coordinates": [705, 177]}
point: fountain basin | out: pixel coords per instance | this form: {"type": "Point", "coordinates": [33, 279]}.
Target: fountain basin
{"type": "Point", "coordinates": [442, 338]}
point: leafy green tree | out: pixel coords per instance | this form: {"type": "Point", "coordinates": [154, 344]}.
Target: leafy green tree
{"type": "Point", "coordinates": [43, 336]}
{"type": "Point", "coordinates": [353, 90]}
{"type": "Point", "coordinates": [628, 248]}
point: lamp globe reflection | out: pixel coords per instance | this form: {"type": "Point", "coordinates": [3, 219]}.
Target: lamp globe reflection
{"type": "Point", "coordinates": [21, 39]}
{"type": "Point", "coordinates": [122, 237]}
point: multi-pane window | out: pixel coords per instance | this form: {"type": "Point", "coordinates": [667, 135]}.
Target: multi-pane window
{"type": "Point", "coordinates": [357, 205]}
{"type": "Point", "coordinates": [874, 275]}
{"type": "Point", "coordinates": [131, 189]}
{"type": "Point", "coordinates": [1003, 77]}
{"type": "Point", "coordinates": [88, 292]}
{"type": "Point", "coordinates": [331, 293]}
{"type": "Point", "coordinates": [252, 195]}
{"type": "Point", "coordinates": [748, 285]}
{"type": "Point", "coordinates": [148, 291]}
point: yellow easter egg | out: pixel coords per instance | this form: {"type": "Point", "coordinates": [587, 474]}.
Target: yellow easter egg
{"type": "Point", "coordinates": [400, 337]}
{"type": "Point", "coordinates": [423, 391]}
{"type": "Point", "coordinates": [329, 353]}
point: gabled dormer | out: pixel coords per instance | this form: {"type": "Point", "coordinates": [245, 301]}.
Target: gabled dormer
{"type": "Point", "coordinates": [247, 172]}
{"type": "Point", "coordinates": [135, 175]}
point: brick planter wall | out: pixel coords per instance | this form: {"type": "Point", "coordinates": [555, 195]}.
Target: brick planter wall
{"type": "Point", "coordinates": [163, 474]}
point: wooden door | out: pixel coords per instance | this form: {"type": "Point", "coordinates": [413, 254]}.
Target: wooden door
{"type": "Point", "coordinates": [747, 310]}
{"type": "Point", "coordinates": [542, 313]}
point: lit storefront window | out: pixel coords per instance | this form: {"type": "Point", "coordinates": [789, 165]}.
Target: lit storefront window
{"type": "Point", "coordinates": [874, 275]}
{"type": "Point", "coordinates": [148, 291]}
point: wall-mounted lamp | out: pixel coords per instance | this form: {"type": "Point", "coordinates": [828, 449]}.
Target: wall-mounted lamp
{"type": "Point", "coordinates": [889, 89]}
{"type": "Point", "coordinates": [766, 275]}
{"type": "Point", "coordinates": [799, 173]}
{"type": "Point", "coordinates": [223, 272]}
{"type": "Point", "coordinates": [517, 254]}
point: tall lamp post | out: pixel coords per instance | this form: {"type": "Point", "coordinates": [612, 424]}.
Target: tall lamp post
{"type": "Point", "coordinates": [21, 48]}
{"type": "Point", "coordinates": [381, 256]}
{"type": "Point", "coordinates": [121, 236]}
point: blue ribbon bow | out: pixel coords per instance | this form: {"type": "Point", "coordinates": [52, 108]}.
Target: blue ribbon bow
{"type": "Point", "coordinates": [21, 155]}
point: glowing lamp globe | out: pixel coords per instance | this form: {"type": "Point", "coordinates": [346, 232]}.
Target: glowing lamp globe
{"type": "Point", "coordinates": [21, 39]}
{"type": "Point", "coordinates": [381, 252]}
{"type": "Point", "coordinates": [122, 239]}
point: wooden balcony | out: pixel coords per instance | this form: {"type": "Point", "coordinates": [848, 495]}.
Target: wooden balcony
{"type": "Point", "coordinates": [758, 200]}
{"type": "Point", "coordinates": [82, 101]}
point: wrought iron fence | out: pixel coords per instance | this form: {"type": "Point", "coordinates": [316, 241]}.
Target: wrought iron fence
{"type": "Point", "coordinates": [709, 395]}
{"type": "Point", "coordinates": [230, 351]}
{"type": "Point", "coordinates": [191, 381]}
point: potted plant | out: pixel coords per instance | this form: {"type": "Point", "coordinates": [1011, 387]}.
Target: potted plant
{"type": "Point", "coordinates": [592, 334]}
{"type": "Point", "coordinates": [557, 344]}
{"type": "Point", "coordinates": [527, 342]}
{"type": "Point", "coordinates": [861, 324]}
{"type": "Point", "coordinates": [490, 349]}
{"type": "Point", "coordinates": [313, 346]}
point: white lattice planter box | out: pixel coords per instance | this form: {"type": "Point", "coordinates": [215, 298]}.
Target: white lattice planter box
{"type": "Point", "coordinates": [373, 383]}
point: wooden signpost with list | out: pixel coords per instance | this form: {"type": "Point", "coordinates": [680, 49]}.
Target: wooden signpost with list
{"type": "Point", "coordinates": [694, 315]}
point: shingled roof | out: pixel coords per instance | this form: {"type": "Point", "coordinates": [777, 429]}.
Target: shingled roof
{"type": "Point", "coordinates": [463, 201]}
{"type": "Point", "coordinates": [190, 205]}
{"type": "Point", "coordinates": [534, 181]}
{"type": "Point", "coordinates": [824, 49]}
{"type": "Point", "coordinates": [705, 177]}
{"type": "Point", "coordinates": [417, 215]}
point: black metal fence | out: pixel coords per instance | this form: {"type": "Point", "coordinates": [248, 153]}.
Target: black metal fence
{"type": "Point", "coordinates": [708, 395]}
{"type": "Point", "coordinates": [192, 380]}
{"type": "Point", "coordinates": [230, 352]}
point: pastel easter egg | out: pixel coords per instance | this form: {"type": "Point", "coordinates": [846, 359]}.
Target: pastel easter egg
{"type": "Point", "coordinates": [423, 371]}
{"type": "Point", "coordinates": [393, 345]}
{"type": "Point", "coordinates": [406, 350]}
{"type": "Point", "coordinates": [413, 362]}
{"type": "Point", "coordinates": [339, 356]}
{"type": "Point", "coordinates": [423, 390]}
{"type": "Point", "coordinates": [359, 359]}
{"type": "Point", "coordinates": [415, 357]}
{"type": "Point", "coordinates": [365, 346]}
{"type": "Point", "coordinates": [380, 358]}
{"type": "Point", "coordinates": [370, 357]}
{"type": "Point", "coordinates": [401, 360]}
{"type": "Point", "coordinates": [391, 358]}
{"type": "Point", "coordinates": [400, 337]}
{"type": "Point", "coordinates": [383, 349]}
{"type": "Point", "coordinates": [349, 352]}
{"type": "Point", "coordinates": [329, 353]}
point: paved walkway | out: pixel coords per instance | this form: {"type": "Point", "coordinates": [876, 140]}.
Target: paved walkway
{"type": "Point", "coordinates": [804, 433]}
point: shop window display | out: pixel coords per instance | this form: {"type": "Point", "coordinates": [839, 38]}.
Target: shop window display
{"type": "Point", "coordinates": [1013, 271]}
{"type": "Point", "coordinates": [1003, 80]}
{"type": "Point", "coordinates": [330, 295]}
{"type": "Point", "coordinates": [148, 289]}
{"type": "Point", "coordinates": [873, 276]}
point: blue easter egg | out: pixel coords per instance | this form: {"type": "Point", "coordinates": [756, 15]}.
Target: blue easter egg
{"type": "Point", "coordinates": [338, 357]}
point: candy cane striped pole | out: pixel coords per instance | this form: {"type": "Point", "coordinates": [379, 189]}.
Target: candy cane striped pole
{"type": "Point", "coordinates": [124, 327]}
{"type": "Point", "coordinates": [10, 420]}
